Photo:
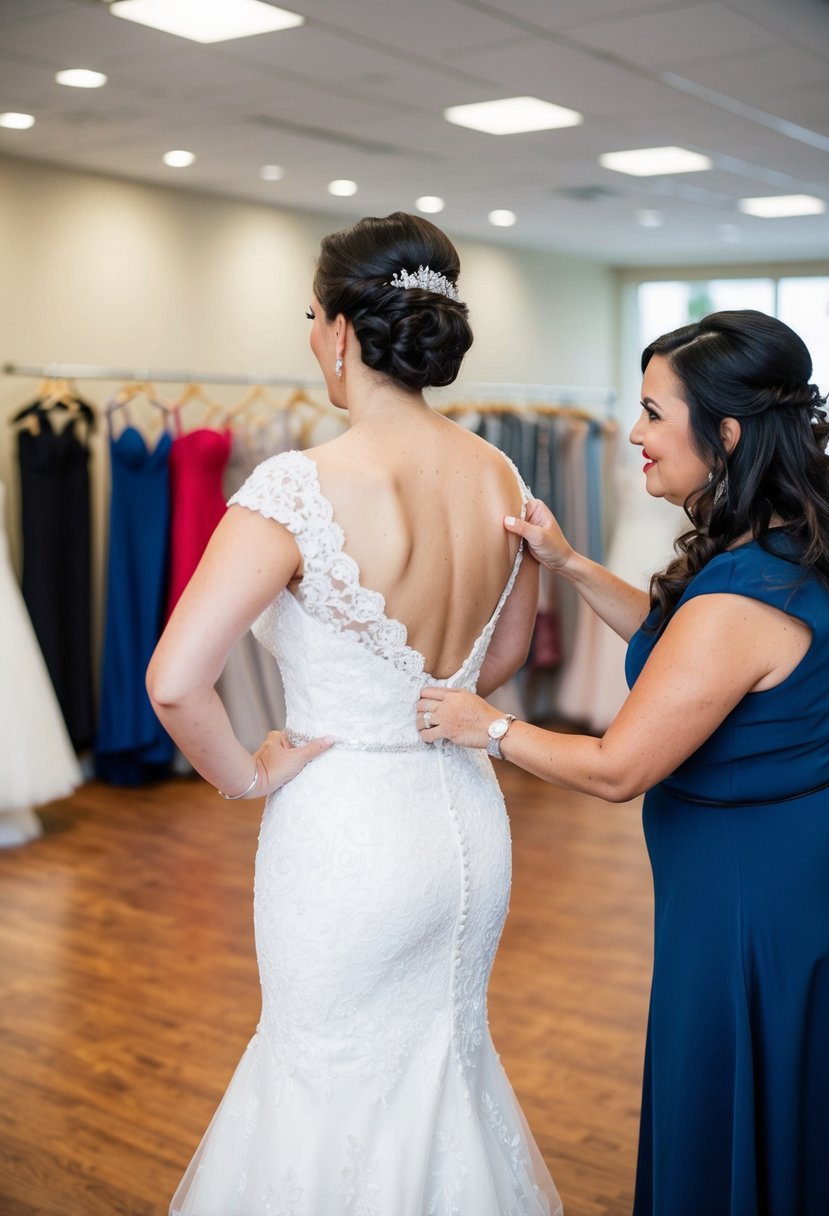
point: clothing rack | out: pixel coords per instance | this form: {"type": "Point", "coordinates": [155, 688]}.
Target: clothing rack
{"type": "Point", "coordinates": [532, 394]}
{"type": "Point", "coordinates": [602, 399]}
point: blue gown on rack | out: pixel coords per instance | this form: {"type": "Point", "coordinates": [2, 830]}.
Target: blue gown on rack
{"type": "Point", "coordinates": [132, 745]}
{"type": "Point", "coordinates": [735, 1109]}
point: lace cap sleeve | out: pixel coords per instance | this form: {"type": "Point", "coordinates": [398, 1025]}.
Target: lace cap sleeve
{"type": "Point", "coordinates": [280, 488]}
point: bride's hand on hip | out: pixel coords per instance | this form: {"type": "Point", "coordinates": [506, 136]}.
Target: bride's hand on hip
{"type": "Point", "coordinates": [456, 715]}
{"type": "Point", "coordinates": [540, 530]}
{"type": "Point", "coordinates": [279, 761]}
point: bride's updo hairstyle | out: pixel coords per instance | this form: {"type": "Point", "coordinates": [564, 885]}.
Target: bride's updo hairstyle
{"type": "Point", "coordinates": [417, 338]}
{"type": "Point", "coordinates": [751, 367]}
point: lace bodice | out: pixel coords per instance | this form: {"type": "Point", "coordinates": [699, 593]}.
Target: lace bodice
{"type": "Point", "coordinates": [334, 636]}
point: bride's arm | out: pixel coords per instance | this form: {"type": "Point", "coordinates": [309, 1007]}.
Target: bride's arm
{"type": "Point", "coordinates": [248, 561]}
{"type": "Point", "coordinates": [511, 639]}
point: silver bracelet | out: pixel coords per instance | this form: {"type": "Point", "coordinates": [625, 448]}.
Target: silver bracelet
{"type": "Point", "coordinates": [235, 797]}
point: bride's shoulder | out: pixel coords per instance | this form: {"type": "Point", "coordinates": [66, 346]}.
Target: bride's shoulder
{"type": "Point", "coordinates": [492, 462]}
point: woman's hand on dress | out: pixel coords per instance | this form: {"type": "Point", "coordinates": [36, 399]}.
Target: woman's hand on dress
{"type": "Point", "coordinates": [279, 761]}
{"type": "Point", "coordinates": [456, 715]}
{"type": "Point", "coordinates": [540, 530]}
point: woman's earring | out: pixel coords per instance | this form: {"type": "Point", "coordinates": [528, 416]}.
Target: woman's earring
{"type": "Point", "coordinates": [722, 487]}
{"type": "Point", "coordinates": [338, 369]}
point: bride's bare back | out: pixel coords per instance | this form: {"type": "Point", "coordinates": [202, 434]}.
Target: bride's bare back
{"type": "Point", "coordinates": [421, 503]}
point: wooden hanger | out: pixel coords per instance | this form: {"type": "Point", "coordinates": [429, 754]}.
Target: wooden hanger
{"type": "Point", "coordinates": [255, 394]}
{"type": "Point", "coordinates": [61, 395]}
{"type": "Point", "coordinates": [128, 392]}
{"type": "Point", "coordinates": [195, 392]}
{"type": "Point", "coordinates": [299, 397]}
{"type": "Point", "coordinates": [539, 408]}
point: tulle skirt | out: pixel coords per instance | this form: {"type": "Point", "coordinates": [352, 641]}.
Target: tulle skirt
{"type": "Point", "coordinates": [446, 1144]}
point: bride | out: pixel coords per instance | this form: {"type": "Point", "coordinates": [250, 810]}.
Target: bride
{"type": "Point", "coordinates": [368, 566]}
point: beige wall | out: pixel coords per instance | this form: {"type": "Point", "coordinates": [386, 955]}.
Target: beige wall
{"type": "Point", "coordinates": [104, 271]}
{"type": "Point", "coordinates": [97, 270]}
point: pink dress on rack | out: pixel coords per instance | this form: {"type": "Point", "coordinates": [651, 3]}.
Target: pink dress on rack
{"type": "Point", "coordinates": [197, 464]}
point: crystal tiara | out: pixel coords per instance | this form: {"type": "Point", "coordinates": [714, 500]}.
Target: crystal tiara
{"type": "Point", "coordinates": [426, 280]}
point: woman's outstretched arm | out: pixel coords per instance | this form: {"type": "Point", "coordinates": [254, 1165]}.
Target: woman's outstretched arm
{"type": "Point", "coordinates": [619, 605]}
{"type": "Point", "coordinates": [716, 649]}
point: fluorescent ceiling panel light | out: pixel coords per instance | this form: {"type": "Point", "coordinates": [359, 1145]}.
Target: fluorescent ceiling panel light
{"type": "Point", "coordinates": [729, 233]}
{"type": "Point", "coordinates": [649, 217]}
{"type": "Point", "coordinates": [512, 116]}
{"type": "Point", "coordinates": [271, 173]}
{"type": "Point", "coordinates": [207, 20]}
{"type": "Point", "coordinates": [81, 78]}
{"type": "Point", "coordinates": [342, 187]}
{"type": "Point", "coordinates": [17, 122]}
{"type": "Point", "coordinates": [178, 159]}
{"type": "Point", "coordinates": [502, 219]}
{"type": "Point", "coordinates": [650, 162]}
{"type": "Point", "coordinates": [778, 206]}
{"type": "Point", "coordinates": [430, 204]}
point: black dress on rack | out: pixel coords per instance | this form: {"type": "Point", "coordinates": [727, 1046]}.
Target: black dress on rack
{"type": "Point", "coordinates": [55, 510]}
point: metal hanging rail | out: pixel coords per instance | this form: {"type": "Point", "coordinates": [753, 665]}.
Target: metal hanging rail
{"type": "Point", "coordinates": [516, 393]}
{"type": "Point", "coordinates": [92, 371]}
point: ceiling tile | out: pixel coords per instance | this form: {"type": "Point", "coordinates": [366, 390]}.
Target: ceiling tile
{"type": "Point", "coordinates": [752, 77]}
{"type": "Point", "coordinates": [360, 89]}
{"type": "Point", "coordinates": [576, 79]}
{"type": "Point", "coordinates": [658, 39]}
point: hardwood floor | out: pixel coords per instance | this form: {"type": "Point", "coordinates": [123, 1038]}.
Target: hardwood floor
{"type": "Point", "coordinates": [129, 990]}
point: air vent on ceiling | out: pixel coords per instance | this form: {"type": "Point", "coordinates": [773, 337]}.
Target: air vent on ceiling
{"type": "Point", "coordinates": [587, 194]}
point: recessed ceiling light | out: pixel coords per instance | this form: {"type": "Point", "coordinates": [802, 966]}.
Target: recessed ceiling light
{"type": "Point", "coordinates": [81, 78]}
{"type": "Point", "coordinates": [649, 217]}
{"type": "Point", "coordinates": [777, 206]}
{"type": "Point", "coordinates": [649, 162]}
{"type": "Point", "coordinates": [342, 187]}
{"type": "Point", "coordinates": [207, 20]}
{"type": "Point", "coordinates": [512, 116]}
{"type": "Point", "coordinates": [429, 204]}
{"type": "Point", "coordinates": [178, 159]}
{"type": "Point", "coordinates": [17, 122]}
{"type": "Point", "coordinates": [271, 173]}
{"type": "Point", "coordinates": [729, 233]}
{"type": "Point", "coordinates": [502, 219]}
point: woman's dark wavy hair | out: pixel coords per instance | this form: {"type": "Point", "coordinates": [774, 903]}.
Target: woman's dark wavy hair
{"type": "Point", "coordinates": [751, 367]}
{"type": "Point", "coordinates": [417, 338]}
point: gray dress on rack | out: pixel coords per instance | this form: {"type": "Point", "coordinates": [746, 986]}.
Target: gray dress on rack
{"type": "Point", "coordinates": [250, 685]}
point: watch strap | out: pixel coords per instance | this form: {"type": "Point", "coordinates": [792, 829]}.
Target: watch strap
{"type": "Point", "coordinates": [493, 747]}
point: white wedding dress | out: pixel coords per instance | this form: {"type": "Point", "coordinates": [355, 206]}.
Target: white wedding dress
{"type": "Point", "coordinates": [371, 1086]}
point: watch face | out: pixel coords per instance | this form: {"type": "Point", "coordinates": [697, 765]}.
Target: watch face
{"type": "Point", "coordinates": [498, 728]}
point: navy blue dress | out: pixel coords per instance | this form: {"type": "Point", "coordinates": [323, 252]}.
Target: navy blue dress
{"type": "Point", "coordinates": [132, 745]}
{"type": "Point", "coordinates": [735, 1107]}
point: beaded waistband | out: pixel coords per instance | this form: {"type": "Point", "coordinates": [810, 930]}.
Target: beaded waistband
{"type": "Point", "coordinates": [358, 745]}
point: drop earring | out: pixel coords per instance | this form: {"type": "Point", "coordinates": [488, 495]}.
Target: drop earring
{"type": "Point", "coordinates": [338, 369]}
{"type": "Point", "coordinates": [721, 489]}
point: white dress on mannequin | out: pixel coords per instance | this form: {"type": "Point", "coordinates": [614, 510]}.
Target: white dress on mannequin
{"type": "Point", "coordinates": [37, 763]}
{"type": "Point", "coordinates": [371, 1087]}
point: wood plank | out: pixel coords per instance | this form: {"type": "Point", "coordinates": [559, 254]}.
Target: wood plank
{"type": "Point", "coordinates": [129, 991]}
